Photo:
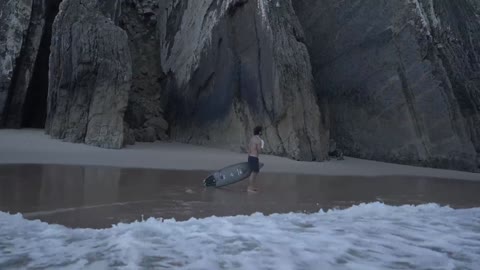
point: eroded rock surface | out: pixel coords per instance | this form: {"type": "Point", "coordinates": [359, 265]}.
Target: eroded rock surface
{"type": "Point", "coordinates": [387, 80]}
{"type": "Point", "coordinates": [14, 24]}
{"type": "Point", "coordinates": [401, 77]}
{"type": "Point", "coordinates": [147, 98]}
{"type": "Point", "coordinates": [90, 74]}
{"type": "Point", "coordinates": [235, 64]}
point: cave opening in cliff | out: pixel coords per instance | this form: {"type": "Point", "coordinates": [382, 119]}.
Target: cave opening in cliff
{"type": "Point", "coordinates": [35, 109]}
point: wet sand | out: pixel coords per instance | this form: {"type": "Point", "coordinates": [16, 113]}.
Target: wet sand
{"type": "Point", "coordinates": [97, 197]}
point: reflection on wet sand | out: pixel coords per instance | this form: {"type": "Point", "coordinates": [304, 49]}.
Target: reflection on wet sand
{"type": "Point", "coordinates": [97, 197]}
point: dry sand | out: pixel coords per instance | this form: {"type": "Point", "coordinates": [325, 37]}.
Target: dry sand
{"type": "Point", "coordinates": [29, 146]}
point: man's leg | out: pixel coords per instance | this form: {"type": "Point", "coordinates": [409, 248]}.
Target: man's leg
{"type": "Point", "coordinates": [254, 164]}
{"type": "Point", "coordinates": [251, 182]}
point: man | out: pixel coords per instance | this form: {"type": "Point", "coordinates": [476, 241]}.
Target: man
{"type": "Point", "coordinates": [254, 147]}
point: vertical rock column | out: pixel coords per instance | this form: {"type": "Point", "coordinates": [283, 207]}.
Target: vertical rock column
{"type": "Point", "coordinates": [24, 90]}
{"type": "Point", "coordinates": [14, 24]}
{"type": "Point", "coordinates": [287, 90]}
{"type": "Point", "coordinates": [234, 64]}
{"type": "Point", "coordinates": [90, 75]}
{"type": "Point", "coordinates": [144, 117]}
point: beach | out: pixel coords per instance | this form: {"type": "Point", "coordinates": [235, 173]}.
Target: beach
{"type": "Point", "coordinates": [74, 206]}
{"type": "Point", "coordinates": [28, 146]}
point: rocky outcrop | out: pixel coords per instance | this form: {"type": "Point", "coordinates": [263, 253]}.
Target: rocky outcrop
{"type": "Point", "coordinates": [27, 33]}
{"type": "Point", "coordinates": [402, 77]}
{"type": "Point", "coordinates": [388, 80]}
{"type": "Point", "coordinates": [232, 65]}
{"type": "Point", "coordinates": [147, 99]}
{"type": "Point", "coordinates": [14, 24]}
{"type": "Point", "coordinates": [90, 74]}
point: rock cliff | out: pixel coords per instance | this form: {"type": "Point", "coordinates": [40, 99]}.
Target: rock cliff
{"type": "Point", "coordinates": [22, 28]}
{"type": "Point", "coordinates": [14, 21]}
{"type": "Point", "coordinates": [90, 74]}
{"type": "Point", "coordinates": [402, 78]}
{"type": "Point", "coordinates": [232, 65]}
{"type": "Point", "coordinates": [393, 81]}
{"type": "Point", "coordinates": [145, 115]}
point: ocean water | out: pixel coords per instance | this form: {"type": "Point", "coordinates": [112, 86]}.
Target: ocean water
{"type": "Point", "coordinates": [365, 236]}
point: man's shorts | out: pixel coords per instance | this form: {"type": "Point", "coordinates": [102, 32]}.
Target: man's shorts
{"type": "Point", "coordinates": [254, 164]}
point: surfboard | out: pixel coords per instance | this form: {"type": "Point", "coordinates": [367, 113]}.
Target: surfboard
{"type": "Point", "coordinates": [229, 175]}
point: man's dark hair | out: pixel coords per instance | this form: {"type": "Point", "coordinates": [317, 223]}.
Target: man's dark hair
{"type": "Point", "coordinates": [257, 130]}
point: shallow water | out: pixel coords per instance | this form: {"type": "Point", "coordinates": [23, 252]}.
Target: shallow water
{"type": "Point", "coordinates": [376, 223]}
{"type": "Point", "coordinates": [96, 197]}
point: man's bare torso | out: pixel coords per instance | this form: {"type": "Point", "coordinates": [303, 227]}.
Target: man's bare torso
{"type": "Point", "coordinates": [254, 146]}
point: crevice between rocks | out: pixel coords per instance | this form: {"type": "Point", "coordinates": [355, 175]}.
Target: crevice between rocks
{"type": "Point", "coordinates": [35, 109]}
{"type": "Point", "coordinates": [28, 107]}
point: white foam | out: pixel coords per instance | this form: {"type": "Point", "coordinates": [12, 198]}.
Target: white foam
{"type": "Point", "coordinates": [368, 236]}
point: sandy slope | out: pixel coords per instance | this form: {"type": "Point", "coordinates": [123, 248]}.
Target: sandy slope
{"type": "Point", "coordinates": [33, 146]}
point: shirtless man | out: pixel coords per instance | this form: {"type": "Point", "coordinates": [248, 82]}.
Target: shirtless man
{"type": "Point", "coordinates": [254, 147]}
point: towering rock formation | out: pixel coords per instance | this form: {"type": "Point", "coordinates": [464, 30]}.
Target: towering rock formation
{"type": "Point", "coordinates": [147, 100]}
{"type": "Point", "coordinates": [90, 74]}
{"type": "Point", "coordinates": [388, 80]}
{"type": "Point", "coordinates": [234, 64]}
{"type": "Point", "coordinates": [25, 34]}
{"type": "Point", "coordinates": [14, 21]}
{"type": "Point", "coordinates": [402, 77]}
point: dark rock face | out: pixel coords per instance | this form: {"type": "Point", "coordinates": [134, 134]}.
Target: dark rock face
{"type": "Point", "coordinates": [25, 65]}
{"type": "Point", "coordinates": [388, 80]}
{"type": "Point", "coordinates": [402, 77]}
{"type": "Point", "coordinates": [14, 24]}
{"type": "Point", "coordinates": [234, 64]}
{"type": "Point", "coordinates": [34, 107]}
{"type": "Point", "coordinates": [90, 75]}
{"type": "Point", "coordinates": [27, 33]}
{"type": "Point", "coordinates": [147, 99]}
